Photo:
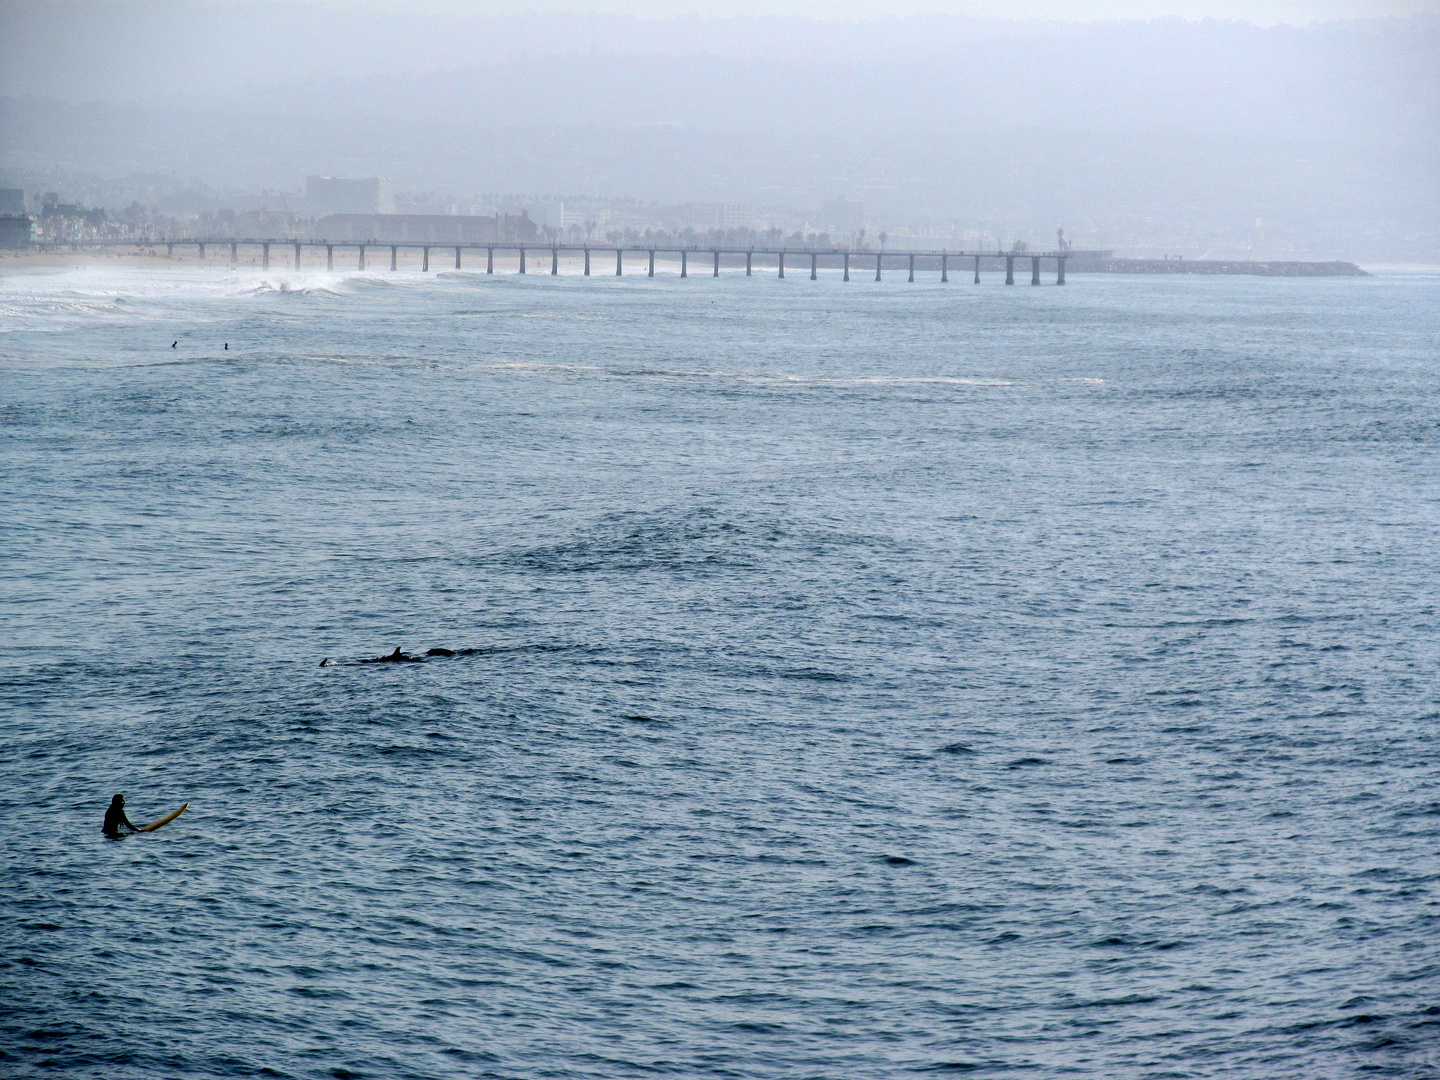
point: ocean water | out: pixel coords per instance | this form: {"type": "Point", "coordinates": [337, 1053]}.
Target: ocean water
{"type": "Point", "coordinates": [867, 679]}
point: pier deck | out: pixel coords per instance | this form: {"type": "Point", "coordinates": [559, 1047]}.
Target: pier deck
{"type": "Point", "coordinates": [690, 258]}
{"type": "Point", "coordinates": [531, 258]}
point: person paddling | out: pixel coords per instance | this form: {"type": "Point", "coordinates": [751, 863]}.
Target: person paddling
{"type": "Point", "coordinates": [115, 818]}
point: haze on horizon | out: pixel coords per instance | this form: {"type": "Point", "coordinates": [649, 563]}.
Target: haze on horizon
{"type": "Point", "coordinates": [1310, 127]}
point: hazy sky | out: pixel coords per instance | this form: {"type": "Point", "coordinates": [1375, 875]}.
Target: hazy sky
{"type": "Point", "coordinates": [1188, 119]}
{"type": "Point", "coordinates": [148, 50]}
{"type": "Point", "coordinates": [1259, 11]}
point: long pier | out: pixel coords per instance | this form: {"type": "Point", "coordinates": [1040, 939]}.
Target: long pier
{"type": "Point", "coordinates": [844, 259]}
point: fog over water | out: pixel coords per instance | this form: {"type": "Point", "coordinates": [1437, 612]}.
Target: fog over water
{"type": "Point", "coordinates": [1315, 140]}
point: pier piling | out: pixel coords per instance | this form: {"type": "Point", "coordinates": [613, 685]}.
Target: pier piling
{"type": "Point", "coordinates": [1060, 255]}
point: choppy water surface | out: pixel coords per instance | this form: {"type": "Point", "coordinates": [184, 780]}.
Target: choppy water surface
{"type": "Point", "coordinates": [869, 679]}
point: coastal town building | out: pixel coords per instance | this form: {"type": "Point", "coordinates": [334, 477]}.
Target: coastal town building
{"type": "Point", "coordinates": [342, 195]}
{"type": "Point", "coordinates": [425, 228]}
{"type": "Point", "coordinates": [15, 230]}
{"type": "Point", "coordinates": [15, 222]}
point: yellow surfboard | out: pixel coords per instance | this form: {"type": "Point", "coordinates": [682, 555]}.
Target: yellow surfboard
{"type": "Point", "coordinates": [164, 820]}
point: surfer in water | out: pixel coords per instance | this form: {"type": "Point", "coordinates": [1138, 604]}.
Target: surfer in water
{"type": "Point", "coordinates": [115, 818]}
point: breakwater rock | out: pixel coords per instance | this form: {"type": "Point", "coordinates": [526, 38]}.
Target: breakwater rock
{"type": "Point", "coordinates": [1216, 266]}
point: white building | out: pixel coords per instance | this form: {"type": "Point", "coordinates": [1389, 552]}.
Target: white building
{"type": "Point", "coordinates": [341, 195]}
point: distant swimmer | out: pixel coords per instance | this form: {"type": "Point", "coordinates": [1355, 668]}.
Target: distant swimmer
{"type": "Point", "coordinates": [174, 343]}
{"type": "Point", "coordinates": [227, 346]}
{"type": "Point", "coordinates": [115, 818]}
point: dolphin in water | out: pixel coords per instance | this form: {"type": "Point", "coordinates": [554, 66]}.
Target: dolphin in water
{"type": "Point", "coordinates": [399, 657]}
{"type": "Point", "coordinates": [396, 657]}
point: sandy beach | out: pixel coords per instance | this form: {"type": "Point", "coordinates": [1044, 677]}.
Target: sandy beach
{"type": "Point", "coordinates": [138, 256]}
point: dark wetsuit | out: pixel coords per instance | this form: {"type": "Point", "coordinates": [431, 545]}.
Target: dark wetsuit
{"type": "Point", "coordinates": [114, 818]}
